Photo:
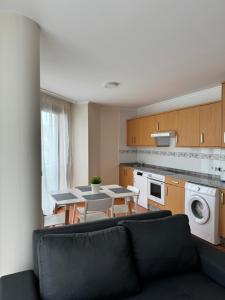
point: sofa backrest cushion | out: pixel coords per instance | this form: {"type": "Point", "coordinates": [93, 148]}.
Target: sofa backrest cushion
{"type": "Point", "coordinates": [162, 247]}
{"type": "Point", "coordinates": [96, 265]}
{"type": "Point", "coordinates": [88, 227]}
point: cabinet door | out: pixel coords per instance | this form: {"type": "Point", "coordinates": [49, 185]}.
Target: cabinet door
{"type": "Point", "coordinates": [137, 132]}
{"type": "Point", "coordinates": [147, 127]}
{"type": "Point", "coordinates": [122, 175]}
{"type": "Point", "coordinates": [222, 214]}
{"type": "Point", "coordinates": [174, 199]}
{"type": "Point", "coordinates": [133, 132]}
{"type": "Point", "coordinates": [130, 132]}
{"type": "Point", "coordinates": [129, 176]}
{"type": "Point", "coordinates": [223, 114]}
{"type": "Point", "coordinates": [167, 121]}
{"type": "Point", "coordinates": [125, 176]}
{"type": "Point", "coordinates": [210, 125]}
{"type": "Point", "coordinates": [188, 127]}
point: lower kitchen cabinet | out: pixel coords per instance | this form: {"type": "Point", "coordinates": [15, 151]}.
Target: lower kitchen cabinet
{"type": "Point", "coordinates": [126, 176]}
{"type": "Point", "coordinates": [222, 214]}
{"type": "Point", "coordinates": [156, 205]}
{"type": "Point", "coordinates": [174, 198]}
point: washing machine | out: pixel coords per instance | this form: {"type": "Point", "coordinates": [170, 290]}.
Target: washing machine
{"type": "Point", "coordinates": [202, 208]}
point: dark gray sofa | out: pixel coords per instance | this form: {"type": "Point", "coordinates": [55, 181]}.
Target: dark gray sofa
{"type": "Point", "coordinates": [206, 281]}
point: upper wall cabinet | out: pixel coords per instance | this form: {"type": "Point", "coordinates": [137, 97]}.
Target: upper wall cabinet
{"type": "Point", "coordinates": [134, 132]}
{"type": "Point", "coordinates": [223, 114]}
{"type": "Point", "coordinates": [198, 126]}
{"type": "Point", "coordinates": [166, 121]}
{"type": "Point", "coordinates": [210, 125]}
{"type": "Point", "coordinates": [188, 127]}
{"type": "Point", "coordinates": [147, 126]}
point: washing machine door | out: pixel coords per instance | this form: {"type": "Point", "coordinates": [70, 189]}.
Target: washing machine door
{"type": "Point", "coordinates": [198, 209]}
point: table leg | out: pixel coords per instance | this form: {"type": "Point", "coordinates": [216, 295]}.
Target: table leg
{"type": "Point", "coordinates": [74, 212]}
{"type": "Point", "coordinates": [130, 206]}
{"type": "Point", "coordinates": [67, 214]}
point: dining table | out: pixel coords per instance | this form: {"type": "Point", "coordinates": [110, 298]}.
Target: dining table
{"type": "Point", "coordinates": [80, 194]}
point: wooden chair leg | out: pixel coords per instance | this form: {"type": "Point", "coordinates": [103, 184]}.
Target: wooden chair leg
{"type": "Point", "coordinates": [74, 213]}
{"type": "Point", "coordinates": [67, 214]}
{"type": "Point", "coordinates": [130, 207]}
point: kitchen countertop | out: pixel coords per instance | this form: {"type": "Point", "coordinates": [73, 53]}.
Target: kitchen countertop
{"type": "Point", "coordinates": [193, 177]}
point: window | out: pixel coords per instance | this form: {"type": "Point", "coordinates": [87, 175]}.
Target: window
{"type": "Point", "coordinates": [55, 146]}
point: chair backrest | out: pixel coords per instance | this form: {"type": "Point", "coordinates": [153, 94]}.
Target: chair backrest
{"type": "Point", "coordinates": [101, 205]}
{"type": "Point", "coordinates": [135, 190]}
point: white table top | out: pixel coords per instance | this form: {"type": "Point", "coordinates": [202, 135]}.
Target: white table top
{"type": "Point", "coordinates": [104, 189]}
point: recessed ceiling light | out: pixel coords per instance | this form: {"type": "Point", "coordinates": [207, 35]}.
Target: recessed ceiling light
{"type": "Point", "coordinates": [110, 84]}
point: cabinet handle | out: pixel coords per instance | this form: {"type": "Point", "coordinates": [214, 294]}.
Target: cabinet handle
{"type": "Point", "coordinates": [222, 198]}
{"type": "Point", "coordinates": [224, 137]}
{"type": "Point", "coordinates": [135, 140]}
{"type": "Point", "coordinates": [202, 138]}
{"type": "Point", "coordinates": [176, 139]}
{"type": "Point", "coordinates": [157, 125]}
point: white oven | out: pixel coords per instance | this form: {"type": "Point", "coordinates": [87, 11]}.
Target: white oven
{"type": "Point", "coordinates": [156, 188]}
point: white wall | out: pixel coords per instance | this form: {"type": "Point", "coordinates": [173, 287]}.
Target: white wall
{"type": "Point", "coordinates": [109, 144]}
{"type": "Point", "coordinates": [203, 160]}
{"type": "Point", "coordinates": [94, 121]}
{"type": "Point", "coordinates": [95, 143]}
{"type": "Point", "coordinates": [80, 144]}
{"type": "Point", "coordinates": [20, 150]}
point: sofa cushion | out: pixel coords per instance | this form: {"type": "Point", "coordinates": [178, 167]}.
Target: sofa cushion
{"type": "Point", "coordinates": [187, 286]}
{"type": "Point", "coordinates": [89, 227]}
{"type": "Point", "coordinates": [96, 265]}
{"type": "Point", "coordinates": [162, 247]}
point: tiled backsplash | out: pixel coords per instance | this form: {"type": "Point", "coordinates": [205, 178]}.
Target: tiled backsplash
{"type": "Point", "coordinates": [190, 159]}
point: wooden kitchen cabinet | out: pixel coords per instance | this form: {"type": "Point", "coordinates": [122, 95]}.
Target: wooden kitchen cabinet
{"type": "Point", "coordinates": [166, 121]}
{"type": "Point", "coordinates": [131, 131]}
{"type": "Point", "coordinates": [126, 176]}
{"type": "Point", "coordinates": [134, 130]}
{"type": "Point", "coordinates": [147, 126]}
{"type": "Point", "coordinates": [188, 134]}
{"type": "Point", "coordinates": [223, 114]}
{"type": "Point", "coordinates": [174, 198]}
{"type": "Point", "coordinates": [210, 125]}
{"type": "Point", "coordinates": [222, 214]}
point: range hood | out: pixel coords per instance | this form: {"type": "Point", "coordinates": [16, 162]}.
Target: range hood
{"type": "Point", "coordinates": [163, 138]}
{"type": "Point", "coordinates": [163, 134]}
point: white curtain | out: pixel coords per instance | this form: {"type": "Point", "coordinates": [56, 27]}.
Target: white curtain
{"type": "Point", "coordinates": [56, 150]}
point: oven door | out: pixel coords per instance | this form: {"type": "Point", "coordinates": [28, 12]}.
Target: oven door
{"type": "Point", "coordinates": [156, 191]}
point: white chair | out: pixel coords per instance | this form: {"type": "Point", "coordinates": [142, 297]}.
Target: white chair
{"type": "Point", "coordinates": [54, 220]}
{"type": "Point", "coordinates": [95, 210]}
{"type": "Point", "coordinates": [124, 208]}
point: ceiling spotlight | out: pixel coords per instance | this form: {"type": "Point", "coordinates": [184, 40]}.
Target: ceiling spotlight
{"type": "Point", "coordinates": [111, 84]}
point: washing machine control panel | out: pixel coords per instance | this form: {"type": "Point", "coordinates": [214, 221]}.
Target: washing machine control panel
{"type": "Point", "coordinates": [201, 189]}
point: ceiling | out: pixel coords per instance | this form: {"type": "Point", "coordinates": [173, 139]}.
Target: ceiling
{"type": "Point", "coordinates": [156, 49]}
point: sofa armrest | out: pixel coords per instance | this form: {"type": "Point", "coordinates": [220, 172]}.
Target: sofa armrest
{"type": "Point", "coordinates": [212, 261]}
{"type": "Point", "coordinates": [19, 286]}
